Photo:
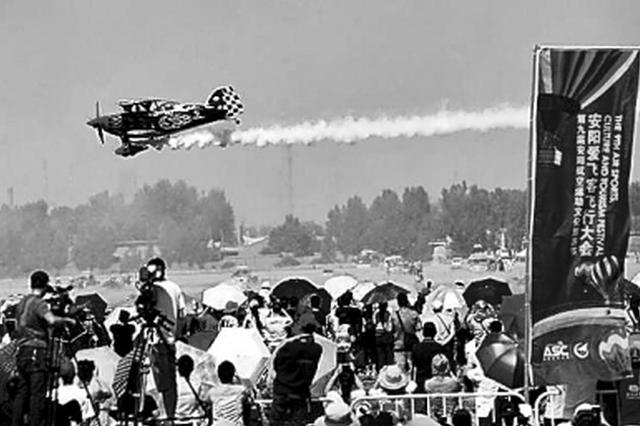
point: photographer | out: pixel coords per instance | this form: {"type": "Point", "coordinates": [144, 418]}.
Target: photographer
{"type": "Point", "coordinates": [34, 318]}
{"type": "Point", "coordinates": [170, 306]}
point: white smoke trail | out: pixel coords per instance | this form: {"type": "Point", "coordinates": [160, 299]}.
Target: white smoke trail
{"type": "Point", "coordinates": [350, 129]}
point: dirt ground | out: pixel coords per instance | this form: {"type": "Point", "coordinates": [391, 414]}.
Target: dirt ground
{"type": "Point", "coordinates": [194, 282]}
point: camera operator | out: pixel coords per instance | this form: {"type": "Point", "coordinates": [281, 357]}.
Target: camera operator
{"type": "Point", "coordinates": [171, 306]}
{"type": "Point", "coordinates": [34, 319]}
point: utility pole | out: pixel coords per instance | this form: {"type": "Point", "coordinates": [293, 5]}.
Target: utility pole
{"type": "Point", "coordinates": [290, 179]}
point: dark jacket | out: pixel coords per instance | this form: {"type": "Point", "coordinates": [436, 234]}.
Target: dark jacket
{"type": "Point", "coordinates": [422, 354]}
{"type": "Point", "coordinates": [295, 365]}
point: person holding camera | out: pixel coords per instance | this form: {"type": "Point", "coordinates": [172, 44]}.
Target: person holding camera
{"type": "Point", "coordinates": [171, 306]}
{"type": "Point", "coordinates": [34, 320]}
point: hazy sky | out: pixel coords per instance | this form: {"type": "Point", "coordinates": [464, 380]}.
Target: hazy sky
{"type": "Point", "coordinates": [290, 61]}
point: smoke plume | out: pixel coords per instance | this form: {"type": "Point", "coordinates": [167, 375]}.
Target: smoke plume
{"type": "Point", "coordinates": [351, 130]}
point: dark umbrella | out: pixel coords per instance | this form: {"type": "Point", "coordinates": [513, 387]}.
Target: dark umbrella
{"type": "Point", "coordinates": [512, 315]}
{"type": "Point", "coordinates": [325, 300]}
{"type": "Point", "coordinates": [502, 360]}
{"type": "Point", "coordinates": [94, 302]}
{"type": "Point", "coordinates": [383, 293]}
{"type": "Point", "coordinates": [491, 290]}
{"type": "Point", "coordinates": [202, 339]}
{"type": "Point", "coordinates": [293, 287]}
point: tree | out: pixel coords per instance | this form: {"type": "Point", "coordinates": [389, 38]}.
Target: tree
{"type": "Point", "coordinates": [384, 233]}
{"type": "Point", "coordinates": [293, 237]}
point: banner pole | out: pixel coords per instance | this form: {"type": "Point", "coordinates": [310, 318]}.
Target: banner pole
{"type": "Point", "coordinates": [528, 374]}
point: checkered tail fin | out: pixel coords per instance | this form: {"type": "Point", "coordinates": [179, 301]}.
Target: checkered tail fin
{"type": "Point", "coordinates": [226, 99]}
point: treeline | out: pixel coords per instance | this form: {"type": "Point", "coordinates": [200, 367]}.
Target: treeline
{"type": "Point", "coordinates": [406, 224]}
{"type": "Point", "coordinates": [181, 221]}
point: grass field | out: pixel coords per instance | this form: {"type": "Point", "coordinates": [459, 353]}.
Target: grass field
{"type": "Point", "coordinates": [193, 283]}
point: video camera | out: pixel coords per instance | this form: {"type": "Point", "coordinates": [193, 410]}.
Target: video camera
{"type": "Point", "coordinates": [587, 417]}
{"type": "Point", "coordinates": [146, 300]}
{"type": "Point", "coordinates": [59, 299]}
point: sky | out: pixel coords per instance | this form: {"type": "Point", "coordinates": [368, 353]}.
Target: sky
{"type": "Point", "coordinates": [290, 61]}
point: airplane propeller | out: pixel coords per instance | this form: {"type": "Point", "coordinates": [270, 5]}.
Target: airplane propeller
{"type": "Point", "coordinates": [98, 128]}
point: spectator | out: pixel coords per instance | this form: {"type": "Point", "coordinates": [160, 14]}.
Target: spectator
{"type": "Point", "coordinates": [423, 353]}
{"type": "Point", "coordinates": [275, 325]}
{"type": "Point", "coordinates": [442, 380]}
{"type": "Point", "coordinates": [368, 337]}
{"type": "Point", "coordinates": [495, 326]}
{"type": "Point", "coordinates": [70, 392]}
{"type": "Point", "coordinates": [336, 413]}
{"type": "Point", "coordinates": [295, 364]}
{"type": "Point", "coordinates": [227, 397]}
{"type": "Point", "coordinates": [127, 408]}
{"type": "Point", "coordinates": [383, 336]}
{"type": "Point", "coordinates": [393, 380]}
{"type": "Point", "coordinates": [228, 320]}
{"type": "Point", "coordinates": [349, 315]}
{"type": "Point", "coordinates": [208, 320]}
{"type": "Point", "coordinates": [348, 384]}
{"type": "Point", "coordinates": [252, 320]}
{"type": "Point", "coordinates": [100, 393]}
{"type": "Point", "coordinates": [314, 303]}
{"type": "Point", "coordinates": [123, 332]}
{"type": "Point", "coordinates": [461, 417]}
{"type": "Point", "coordinates": [406, 325]}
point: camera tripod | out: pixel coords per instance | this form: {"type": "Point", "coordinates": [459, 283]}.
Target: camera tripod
{"type": "Point", "coordinates": [57, 351]}
{"type": "Point", "coordinates": [150, 334]}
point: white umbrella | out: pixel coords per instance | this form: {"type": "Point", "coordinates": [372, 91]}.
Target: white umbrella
{"type": "Point", "coordinates": [361, 289]}
{"type": "Point", "coordinates": [448, 297]}
{"type": "Point", "coordinates": [223, 296]}
{"type": "Point", "coordinates": [337, 286]}
{"type": "Point", "coordinates": [244, 348]}
{"type": "Point", "coordinates": [105, 360]}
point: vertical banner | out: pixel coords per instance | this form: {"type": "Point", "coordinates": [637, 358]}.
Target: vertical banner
{"type": "Point", "coordinates": [584, 119]}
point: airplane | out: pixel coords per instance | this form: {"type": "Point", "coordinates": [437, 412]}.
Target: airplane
{"type": "Point", "coordinates": [151, 122]}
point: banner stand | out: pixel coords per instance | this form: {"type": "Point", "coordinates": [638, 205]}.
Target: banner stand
{"type": "Point", "coordinates": [528, 373]}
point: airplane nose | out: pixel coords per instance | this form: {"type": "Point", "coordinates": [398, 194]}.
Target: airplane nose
{"type": "Point", "coordinates": [94, 122]}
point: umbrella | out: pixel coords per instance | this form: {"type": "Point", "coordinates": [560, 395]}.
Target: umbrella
{"type": "Point", "coordinates": [294, 287]}
{"type": "Point", "coordinates": [94, 302]}
{"type": "Point", "coordinates": [105, 359]}
{"type": "Point", "coordinates": [502, 360]}
{"type": "Point", "coordinates": [491, 290]}
{"type": "Point", "coordinates": [204, 363]}
{"type": "Point", "coordinates": [223, 297]}
{"type": "Point", "coordinates": [325, 300]}
{"type": "Point", "coordinates": [361, 289]}
{"type": "Point", "coordinates": [244, 348]}
{"type": "Point", "coordinates": [512, 315]}
{"type": "Point", "coordinates": [383, 293]}
{"type": "Point", "coordinates": [326, 365]}
{"type": "Point", "coordinates": [448, 297]}
{"type": "Point", "coordinates": [202, 339]}
{"type": "Point", "coordinates": [337, 286]}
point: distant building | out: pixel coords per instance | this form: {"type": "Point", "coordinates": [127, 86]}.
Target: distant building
{"type": "Point", "coordinates": [143, 249]}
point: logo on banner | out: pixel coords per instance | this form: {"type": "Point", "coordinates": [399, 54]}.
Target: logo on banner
{"type": "Point", "coordinates": [556, 352]}
{"type": "Point", "coordinates": [633, 392]}
{"type": "Point", "coordinates": [581, 350]}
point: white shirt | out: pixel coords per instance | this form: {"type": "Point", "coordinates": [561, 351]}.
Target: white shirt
{"type": "Point", "coordinates": [170, 301]}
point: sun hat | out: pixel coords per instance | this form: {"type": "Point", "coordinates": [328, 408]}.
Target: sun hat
{"type": "Point", "coordinates": [393, 377]}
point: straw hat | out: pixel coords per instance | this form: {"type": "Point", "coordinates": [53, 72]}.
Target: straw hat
{"type": "Point", "coordinates": [392, 378]}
